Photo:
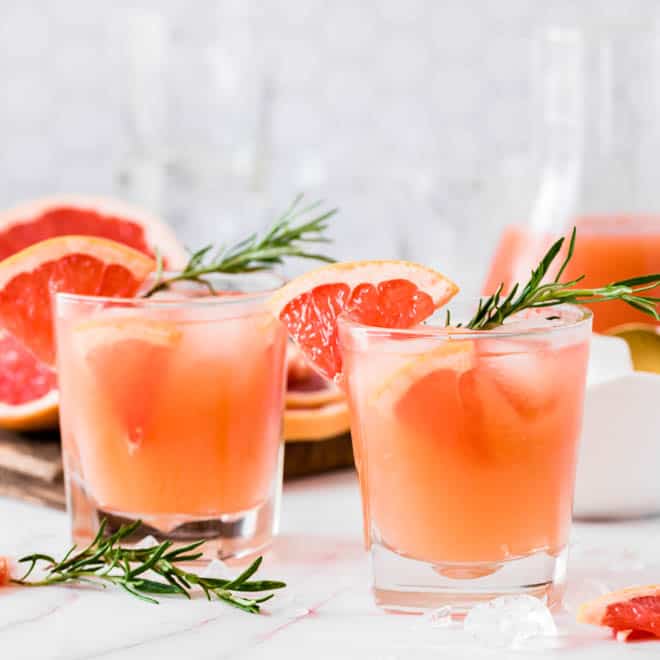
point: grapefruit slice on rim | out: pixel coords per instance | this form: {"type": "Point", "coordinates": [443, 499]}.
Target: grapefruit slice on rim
{"type": "Point", "coordinates": [387, 294]}
{"type": "Point", "coordinates": [28, 397]}
{"type": "Point", "coordinates": [626, 611]}
{"type": "Point", "coordinates": [74, 264]}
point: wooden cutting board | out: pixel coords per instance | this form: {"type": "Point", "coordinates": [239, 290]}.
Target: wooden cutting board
{"type": "Point", "coordinates": [31, 468]}
{"type": "Point", "coordinates": [31, 465]}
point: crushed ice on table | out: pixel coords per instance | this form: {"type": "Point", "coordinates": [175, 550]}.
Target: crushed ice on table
{"type": "Point", "coordinates": [440, 618]}
{"type": "Point", "coordinates": [508, 621]}
{"type": "Point", "coordinates": [217, 570]}
{"type": "Point", "coordinates": [145, 543]}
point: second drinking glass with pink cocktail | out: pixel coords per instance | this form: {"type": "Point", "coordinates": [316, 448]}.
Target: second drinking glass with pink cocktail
{"type": "Point", "coordinates": [465, 444]}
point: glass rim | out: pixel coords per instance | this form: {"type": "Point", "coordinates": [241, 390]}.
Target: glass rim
{"type": "Point", "coordinates": [501, 332]}
{"type": "Point", "coordinates": [235, 298]}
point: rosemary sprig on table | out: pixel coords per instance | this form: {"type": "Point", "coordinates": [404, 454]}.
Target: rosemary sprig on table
{"type": "Point", "coordinates": [286, 238]}
{"type": "Point", "coordinates": [105, 562]}
{"type": "Point", "coordinates": [492, 311]}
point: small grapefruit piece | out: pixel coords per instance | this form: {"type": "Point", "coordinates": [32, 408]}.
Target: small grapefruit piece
{"type": "Point", "coordinates": [5, 574]}
{"type": "Point", "coordinates": [387, 294]}
{"type": "Point", "coordinates": [129, 360]}
{"type": "Point", "coordinates": [631, 610]}
{"type": "Point", "coordinates": [73, 264]}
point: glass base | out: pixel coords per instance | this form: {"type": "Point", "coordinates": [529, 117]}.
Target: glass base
{"type": "Point", "coordinates": [227, 536]}
{"type": "Point", "coordinates": [409, 585]}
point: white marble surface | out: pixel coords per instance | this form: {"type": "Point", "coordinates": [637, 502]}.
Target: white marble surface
{"type": "Point", "coordinates": [326, 612]}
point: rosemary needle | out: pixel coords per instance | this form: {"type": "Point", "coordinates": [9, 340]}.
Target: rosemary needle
{"type": "Point", "coordinates": [288, 237]}
{"type": "Point", "coordinates": [105, 562]}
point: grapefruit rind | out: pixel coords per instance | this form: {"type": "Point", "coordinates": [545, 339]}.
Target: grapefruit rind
{"type": "Point", "coordinates": [316, 424]}
{"type": "Point", "coordinates": [353, 273]}
{"type": "Point", "coordinates": [35, 415]}
{"type": "Point", "coordinates": [456, 356]}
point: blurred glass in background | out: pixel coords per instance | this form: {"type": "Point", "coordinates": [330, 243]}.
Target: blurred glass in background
{"type": "Point", "coordinates": [598, 140]}
{"type": "Point", "coordinates": [417, 119]}
{"type": "Point", "coordinates": [197, 114]}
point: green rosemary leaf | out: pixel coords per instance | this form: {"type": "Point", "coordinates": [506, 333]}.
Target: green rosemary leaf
{"type": "Point", "coordinates": [653, 279]}
{"type": "Point", "coordinates": [493, 311]}
{"type": "Point", "coordinates": [105, 561]}
{"type": "Point", "coordinates": [283, 240]}
{"type": "Point", "coordinates": [245, 575]}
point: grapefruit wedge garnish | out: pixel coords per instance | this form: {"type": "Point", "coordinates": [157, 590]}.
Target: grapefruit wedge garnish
{"type": "Point", "coordinates": [28, 396]}
{"type": "Point", "coordinates": [631, 613]}
{"type": "Point", "coordinates": [387, 294]}
{"type": "Point", "coordinates": [73, 264]}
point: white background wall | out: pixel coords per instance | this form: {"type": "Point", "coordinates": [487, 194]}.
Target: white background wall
{"type": "Point", "coordinates": [414, 116]}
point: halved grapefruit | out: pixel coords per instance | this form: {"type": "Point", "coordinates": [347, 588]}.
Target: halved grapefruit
{"type": "Point", "coordinates": [68, 215]}
{"type": "Point", "coordinates": [28, 399]}
{"type": "Point", "coordinates": [388, 294]}
{"type": "Point", "coordinates": [75, 264]}
{"type": "Point", "coordinates": [629, 612]}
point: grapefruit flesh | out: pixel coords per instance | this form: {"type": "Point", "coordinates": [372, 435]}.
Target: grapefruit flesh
{"type": "Point", "coordinates": [387, 294]}
{"type": "Point", "coordinates": [631, 611]}
{"type": "Point", "coordinates": [73, 264]}
{"type": "Point", "coordinates": [28, 397]}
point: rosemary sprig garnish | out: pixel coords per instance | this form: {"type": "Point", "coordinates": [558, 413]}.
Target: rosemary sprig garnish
{"type": "Point", "coordinates": [492, 311]}
{"type": "Point", "coordinates": [105, 562]}
{"type": "Point", "coordinates": [285, 238]}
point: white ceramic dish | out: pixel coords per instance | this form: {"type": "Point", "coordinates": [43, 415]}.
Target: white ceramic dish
{"type": "Point", "coordinates": [619, 459]}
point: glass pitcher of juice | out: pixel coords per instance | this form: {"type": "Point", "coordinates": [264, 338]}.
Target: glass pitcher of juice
{"type": "Point", "coordinates": [597, 142]}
